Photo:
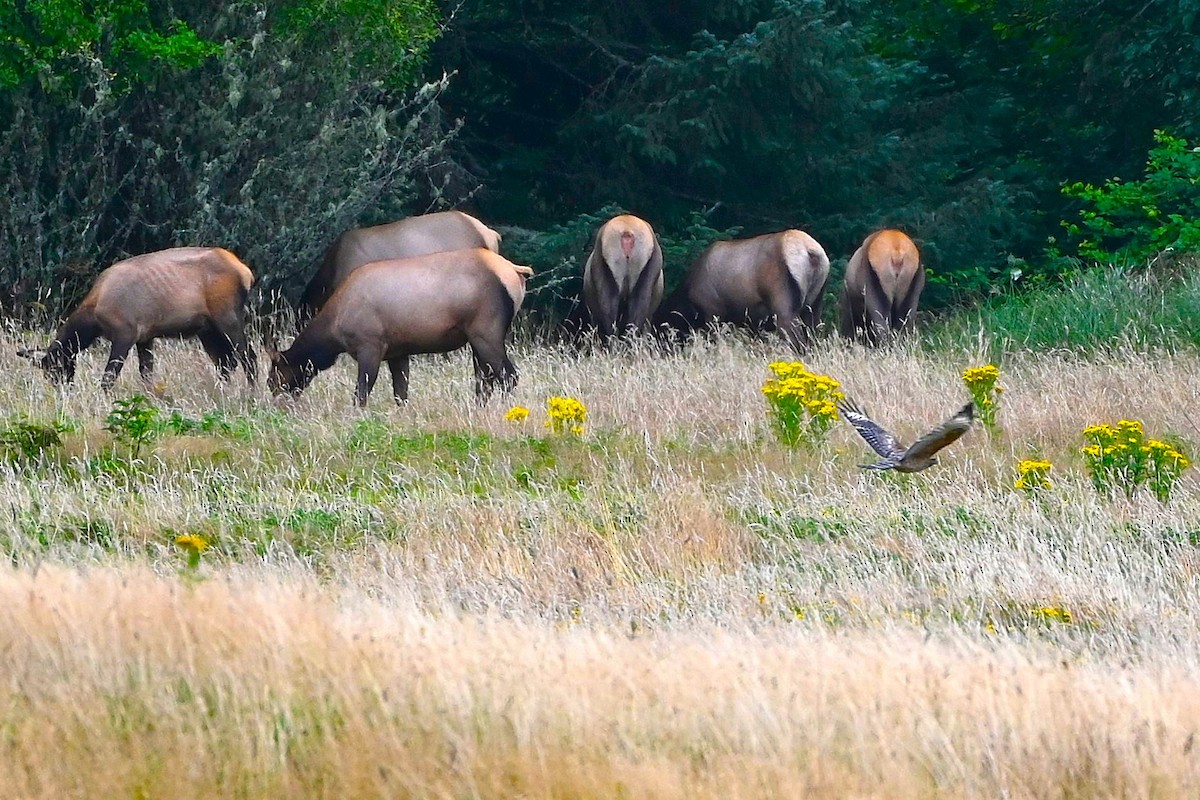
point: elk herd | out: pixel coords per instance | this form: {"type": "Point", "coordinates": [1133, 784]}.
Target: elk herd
{"type": "Point", "coordinates": [436, 282]}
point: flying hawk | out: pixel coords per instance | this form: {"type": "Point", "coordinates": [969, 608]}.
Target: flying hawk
{"type": "Point", "coordinates": [917, 456]}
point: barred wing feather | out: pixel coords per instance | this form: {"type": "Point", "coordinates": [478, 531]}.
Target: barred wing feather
{"type": "Point", "coordinates": [880, 440]}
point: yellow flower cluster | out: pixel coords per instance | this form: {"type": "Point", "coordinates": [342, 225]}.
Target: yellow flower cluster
{"type": "Point", "coordinates": [1033, 475]}
{"type": "Point", "coordinates": [1160, 450]}
{"type": "Point", "coordinates": [982, 383]}
{"type": "Point", "coordinates": [566, 414]}
{"type": "Point", "coordinates": [192, 543]}
{"type": "Point", "coordinates": [516, 414]}
{"type": "Point", "coordinates": [193, 546]}
{"type": "Point", "coordinates": [802, 403]}
{"type": "Point", "coordinates": [1052, 614]}
{"type": "Point", "coordinates": [1129, 436]}
{"type": "Point", "coordinates": [1120, 456]}
{"type": "Point", "coordinates": [984, 377]}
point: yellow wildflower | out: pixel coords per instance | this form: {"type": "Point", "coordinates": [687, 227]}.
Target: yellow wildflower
{"type": "Point", "coordinates": [1033, 474]}
{"type": "Point", "coordinates": [981, 382]}
{"type": "Point", "coordinates": [974, 376]}
{"type": "Point", "coordinates": [517, 414]}
{"type": "Point", "coordinates": [801, 403]}
{"type": "Point", "coordinates": [565, 414]}
{"type": "Point", "coordinates": [192, 542]}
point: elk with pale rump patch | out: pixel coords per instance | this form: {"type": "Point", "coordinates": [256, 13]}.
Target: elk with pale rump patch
{"type": "Point", "coordinates": [884, 280]}
{"type": "Point", "coordinates": [777, 279]}
{"type": "Point", "coordinates": [439, 232]}
{"type": "Point", "coordinates": [623, 277]}
{"type": "Point", "coordinates": [391, 310]}
{"type": "Point", "coordinates": [183, 291]}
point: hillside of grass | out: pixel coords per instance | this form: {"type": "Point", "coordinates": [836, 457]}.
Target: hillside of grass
{"type": "Point", "coordinates": [294, 599]}
{"type": "Point", "coordinates": [1099, 309]}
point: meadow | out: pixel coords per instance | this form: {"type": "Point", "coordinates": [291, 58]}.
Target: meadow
{"type": "Point", "coordinates": [298, 599]}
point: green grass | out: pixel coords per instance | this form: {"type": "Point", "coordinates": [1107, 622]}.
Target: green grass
{"type": "Point", "coordinates": [1104, 308]}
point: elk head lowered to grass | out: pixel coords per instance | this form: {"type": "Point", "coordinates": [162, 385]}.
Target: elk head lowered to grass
{"type": "Point", "coordinates": [183, 291]}
{"type": "Point", "coordinates": [391, 310]}
{"type": "Point", "coordinates": [416, 236]}
{"type": "Point", "coordinates": [777, 279]}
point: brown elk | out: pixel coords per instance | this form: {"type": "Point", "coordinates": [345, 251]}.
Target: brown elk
{"type": "Point", "coordinates": [391, 310]}
{"type": "Point", "coordinates": [416, 236]}
{"type": "Point", "coordinates": [883, 284]}
{"type": "Point", "coordinates": [623, 277]}
{"type": "Point", "coordinates": [777, 279]}
{"type": "Point", "coordinates": [183, 291]}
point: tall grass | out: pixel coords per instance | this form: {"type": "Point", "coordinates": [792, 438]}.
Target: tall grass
{"type": "Point", "coordinates": [432, 601]}
{"type": "Point", "coordinates": [1102, 308]}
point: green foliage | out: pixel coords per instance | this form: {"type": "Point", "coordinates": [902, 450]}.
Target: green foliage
{"type": "Point", "coordinates": [801, 404]}
{"type": "Point", "coordinates": [390, 39]}
{"type": "Point", "coordinates": [1121, 458]}
{"type": "Point", "coordinates": [211, 422]}
{"type": "Point", "coordinates": [134, 422]}
{"type": "Point", "coordinates": [48, 41]}
{"type": "Point", "coordinates": [958, 122]}
{"type": "Point", "coordinates": [1100, 308]}
{"type": "Point", "coordinates": [272, 144]}
{"type": "Point", "coordinates": [24, 439]}
{"type": "Point", "coordinates": [1135, 221]}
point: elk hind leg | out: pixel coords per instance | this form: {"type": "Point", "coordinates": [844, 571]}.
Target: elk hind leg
{"type": "Point", "coordinates": [399, 368]}
{"type": "Point", "coordinates": [145, 355]}
{"type": "Point", "coordinates": [220, 350]}
{"type": "Point", "coordinates": [493, 368]}
{"type": "Point", "coordinates": [368, 372]}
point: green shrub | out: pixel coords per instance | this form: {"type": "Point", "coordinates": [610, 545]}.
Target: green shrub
{"type": "Point", "coordinates": [26, 440]}
{"type": "Point", "coordinates": [134, 422]}
{"type": "Point", "coordinates": [1121, 457]}
{"type": "Point", "coordinates": [1134, 221]}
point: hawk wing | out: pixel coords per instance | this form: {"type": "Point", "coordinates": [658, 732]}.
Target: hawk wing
{"type": "Point", "coordinates": [942, 435]}
{"type": "Point", "coordinates": [880, 440]}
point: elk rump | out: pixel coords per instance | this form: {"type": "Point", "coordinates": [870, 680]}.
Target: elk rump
{"type": "Point", "coordinates": [387, 311]}
{"type": "Point", "coordinates": [183, 291]}
{"type": "Point", "coordinates": [774, 280]}
{"type": "Point", "coordinates": [623, 277]}
{"type": "Point", "coordinates": [883, 284]}
{"type": "Point", "coordinates": [439, 232]}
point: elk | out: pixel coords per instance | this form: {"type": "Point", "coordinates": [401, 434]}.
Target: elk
{"type": "Point", "coordinates": [623, 277]}
{"type": "Point", "coordinates": [416, 236]}
{"type": "Point", "coordinates": [183, 291]}
{"type": "Point", "coordinates": [774, 280]}
{"type": "Point", "coordinates": [389, 310]}
{"type": "Point", "coordinates": [883, 284]}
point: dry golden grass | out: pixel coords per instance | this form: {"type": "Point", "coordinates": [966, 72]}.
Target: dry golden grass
{"type": "Point", "coordinates": [671, 606]}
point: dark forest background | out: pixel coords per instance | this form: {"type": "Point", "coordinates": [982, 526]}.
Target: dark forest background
{"type": "Point", "coordinates": [1016, 141]}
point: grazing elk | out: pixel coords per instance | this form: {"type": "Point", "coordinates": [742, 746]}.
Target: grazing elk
{"type": "Point", "coordinates": [776, 279]}
{"type": "Point", "coordinates": [883, 284]}
{"type": "Point", "coordinates": [416, 236]}
{"type": "Point", "coordinates": [390, 310]}
{"type": "Point", "coordinates": [623, 277]}
{"type": "Point", "coordinates": [183, 291]}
